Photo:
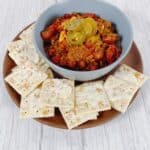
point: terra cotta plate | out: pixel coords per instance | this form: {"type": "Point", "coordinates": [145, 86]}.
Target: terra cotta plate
{"type": "Point", "coordinates": [133, 59]}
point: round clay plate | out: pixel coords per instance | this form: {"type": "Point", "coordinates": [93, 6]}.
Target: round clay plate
{"type": "Point", "coordinates": [133, 59]}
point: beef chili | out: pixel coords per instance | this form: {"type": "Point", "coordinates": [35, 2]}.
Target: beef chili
{"type": "Point", "coordinates": [81, 41]}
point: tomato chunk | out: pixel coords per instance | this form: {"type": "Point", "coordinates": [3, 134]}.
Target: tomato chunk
{"type": "Point", "coordinates": [82, 64]}
{"type": "Point", "coordinates": [110, 38]}
{"type": "Point", "coordinates": [111, 53]}
{"type": "Point", "coordinates": [63, 61]}
{"type": "Point", "coordinates": [71, 64]}
{"type": "Point", "coordinates": [45, 35]}
{"type": "Point", "coordinates": [93, 67]}
{"type": "Point", "coordinates": [51, 52]}
{"type": "Point", "coordinates": [48, 33]}
{"type": "Point", "coordinates": [56, 59]}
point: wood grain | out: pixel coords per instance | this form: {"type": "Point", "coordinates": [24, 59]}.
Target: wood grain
{"type": "Point", "coordinates": [130, 131]}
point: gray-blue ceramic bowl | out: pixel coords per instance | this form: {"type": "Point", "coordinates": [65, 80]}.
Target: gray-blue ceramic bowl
{"type": "Point", "coordinates": [101, 8]}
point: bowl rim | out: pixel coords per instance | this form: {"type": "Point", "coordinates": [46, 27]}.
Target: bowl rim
{"type": "Point", "coordinates": [115, 63]}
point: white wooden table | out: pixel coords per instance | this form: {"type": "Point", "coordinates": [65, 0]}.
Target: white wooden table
{"type": "Point", "coordinates": [130, 131]}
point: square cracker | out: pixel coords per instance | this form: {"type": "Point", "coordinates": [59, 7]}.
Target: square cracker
{"type": "Point", "coordinates": [32, 106]}
{"type": "Point", "coordinates": [91, 97]}
{"type": "Point", "coordinates": [26, 78]}
{"type": "Point", "coordinates": [58, 92]}
{"type": "Point", "coordinates": [73, 119]}
{"type": "Point", "coordinates": [48, 71]}
{"type": "Point", "coordinates": [26, 35]}
{"type": "Point", "coordinates": [130, 75]}
{"type": "Point", "coordinates": [22, 51]}
{"type": "Point", "coordinates": [120, 92]}
{"type": "Point", "coordinates": [15, 45]}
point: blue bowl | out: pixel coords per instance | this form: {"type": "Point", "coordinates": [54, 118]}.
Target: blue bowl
{"type": "Point", "coordinates": [101, 8]}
